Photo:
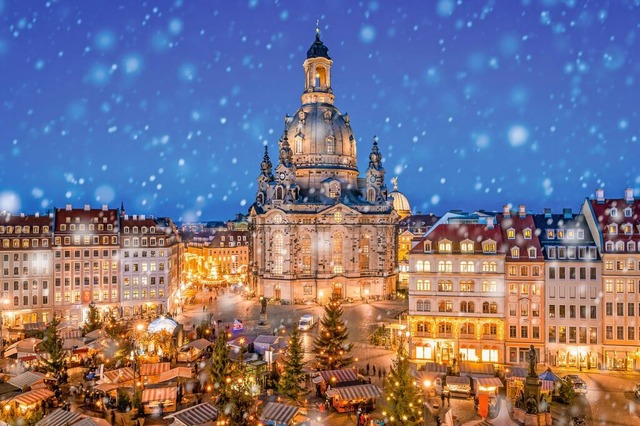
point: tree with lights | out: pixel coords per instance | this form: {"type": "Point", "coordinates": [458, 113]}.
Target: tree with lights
{"type": "Point", "coordinates": [239, 406]}
{"type": "Point", "coordinates": [93, 321]}
{"type": "Point", "coordinates": [330, 345]}
{"type": "Point", "coordinates": [52, 346]}
{"type": "Point", "coordinates": [221, 368]}
{"type": "Point", "coordinates": [404, 398]}
{"type": "Point", "coordinates": [292, 376]}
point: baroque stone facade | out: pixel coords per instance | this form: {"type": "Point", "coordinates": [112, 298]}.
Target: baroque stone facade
{"type": "Point", "coordinates": [318, 229]}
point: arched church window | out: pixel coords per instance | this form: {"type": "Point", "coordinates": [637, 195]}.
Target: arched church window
{"type": "Point", "coordinates": [279, 193]}
{"type": "Point", "coordinates": [331, 142]}
{"type": "Point", "coordinates": [306, 254]}
{"type": "Point", "coordinates": [278, 252]}
{"type": "Point", "coordinates": [321, 77]}
{"type": "Point", "coordinates": [371, 195]}
{"type": "Point", "coordinates": [298, 144]}
{"type": "Point", "coordinates": [336, 253]}
{"type": "Point", "coordinates": [364, 252]}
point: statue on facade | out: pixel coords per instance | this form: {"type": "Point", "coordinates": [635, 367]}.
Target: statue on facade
{"type": "Point", "coordinates": [532, 362]}
{"type": "Point", "coordinates": [263, 305]}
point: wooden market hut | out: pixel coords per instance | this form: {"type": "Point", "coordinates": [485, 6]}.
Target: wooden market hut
{"type": "Point", "coordinates": [201, 414]}
{"type": "Point", "coordinates": [346, 398]}
{"type": "Point", "coordinates": [160, 400]}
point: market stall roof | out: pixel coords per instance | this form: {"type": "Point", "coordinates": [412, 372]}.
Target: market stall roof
{"type": "Point", "coordinates": [355, 392]}
{"type": "Point", "coordinates": [339, 376]}
{"type": "Point", "coordinates": [32, 397]}
{"type": "Point", "coordinates": [548, 385]}
{"type": "Point", "coordinates": [196, 415]}
{"type": "Point", "coordinates": [549, 375]}
{"type": "Point", "coordinates": [91, 421]}
{"type": "Point", "coordinates": [435, 367]}
{"type": "Point", "coordinates": [23, 348]}
{"type": "Point", "coordinates": [162, 323]}
{"type": "Point", "coordinates": [488, 382]}
{"type": "Point", "coordinates": [120, 375]}
{"type": "Point", "coordinates": [70, 333]}
{"type": "Point", "coordinates": [106, 387]}
{"type": "Point", "coordinates": [199, 344]}
{"type": "Point", "coordinates": [174, 373]}
{"type": "Point", "coordinates": [59, 417]}
{"type": "Point", "coordinates": [95, 334]}
{"type": "Point", "coordinates": [8, 391]}
{"type": "Point", "coordinates": [516, 372]}
{"type": "Point", "coordinates": [475, 368]}
{"type": "Point", "coordinates": [154, 369]}
{"type": "Point", "coordinates": [27, 378]}
{"type": "Point", "coordinates": [72, 343]}
{"type": "Point", "coordinates": [455, 380]}
{"type": "Point", "coordinates": [278, 413]}
{"type": "Point", "coordinates": [160, 394]}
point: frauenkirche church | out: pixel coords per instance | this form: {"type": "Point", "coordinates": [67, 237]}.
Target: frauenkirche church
{"type": "Point", "coordinates": [319, 229]}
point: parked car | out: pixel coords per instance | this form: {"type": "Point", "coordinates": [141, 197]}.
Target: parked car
{"type": "Point", "coordinates": [579, 385]}
{"type": "Point", "coordinates": [636, 390]}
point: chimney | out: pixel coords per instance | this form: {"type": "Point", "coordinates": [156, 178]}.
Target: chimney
{"type": "Point", "coordinates": [505, 211]}
{"type": "Point", "coordinates": [566, 212]}
{"type": "Point", "coordinates": [37, 214]}
{"type": "Point", "coordinates": [547, 212]}
{"type": "Point", "coordinates": [490, 222]}
{"type": "Point", "coordinates": [628, 195]}
{"type": "Point", "coordinates": [21, 214]}
{"type": "Point", "coordinates": [522, 210]}
{"type": "Point", "coordinates": [141, 217]}
{"type": "Point", "coordinates": [135, 217]}
{"type": "Point", "coordinates": [87, 207]}
{"type": "Point", "coordinates": [126, 217]}
{"type": "Point", "coordinates": [104, 208]}
{"type": "Point", "coordinates": [68, 207]}
{"type": "Point", "coordinates": [600, 195]}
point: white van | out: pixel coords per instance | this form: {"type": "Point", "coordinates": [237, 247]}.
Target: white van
{"type": "Point", "coordinates": [306, 322]}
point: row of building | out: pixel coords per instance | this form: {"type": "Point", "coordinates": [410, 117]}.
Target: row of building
{"type": "Point", "coordinates": [485, 286]}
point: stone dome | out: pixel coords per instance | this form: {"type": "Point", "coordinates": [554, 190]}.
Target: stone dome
{"type": "Point", "coordinates": [321, 137]}
{"type": "Point", "coordinates": [400, 202]}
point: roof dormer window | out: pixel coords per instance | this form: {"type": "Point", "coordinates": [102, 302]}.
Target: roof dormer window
{"type": "Point", "coordinates": [628, 212]}
{"type": "Point", "coordinates": [489, 247]}
{"type": "Point", "coordinates": [627, 229]}
{"type": "Point", "coordinates": [527, 234]}
{"type": "Point", "coordinates": [511, 233]}
{"type": "Point", "coordinates": [444, 246]}
{"type": "Point", "coordinates": [613, 212]}
{"type": "Point", "coordinates": [532, 252]}
{"type": "Point", "coordinates": [466, 247]}
{"type": "Point", "coordinates": [613, 229]}
{"type": "Point", "coordinates": [427, 247]}
{"type": "Point", "coordinates": [515, 252]}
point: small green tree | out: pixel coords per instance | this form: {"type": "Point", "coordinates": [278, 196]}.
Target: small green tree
{"type": "Point", "coordinates": [93, 321]}
{"type": "Point", "coordinates": [52, 346]}
{"type": "Point", "coordinates": [239, 401]}
{"type": "Point", "coordinates": [221, 367]}
{"type": "Point", "coordinates": [404, 400]}
{"type": "Point", "coordinates": [124, 400]}
{"type": "Point", "coordinates": [291, 378]}
{"type": "Point", "coordinates": [330, 345]}
{"type": "Point", "coordinates": [566, 391]}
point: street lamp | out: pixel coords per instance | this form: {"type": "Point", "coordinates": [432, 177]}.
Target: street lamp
{"type": "Point", "coordinates": [366, 295]}
{"type": "Point", "coordinates": [139, 327]}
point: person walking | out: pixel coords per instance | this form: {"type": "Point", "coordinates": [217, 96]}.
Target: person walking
{"type": "Point", "coordinates": [374, 370]}
{"type": "Point", "coordinates": [368, 366]}
{"type": "Point", "coordinates": [449, 399]}
{"type": "Point", "coordinates": [442, 398]}
{"type": "Point", "coordinates": [380, 375]}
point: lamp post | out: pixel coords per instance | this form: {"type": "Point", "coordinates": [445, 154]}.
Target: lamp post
{"type": "Point", "coordinates": [5, 302]}
{"type": "Point", "coordinates": [139, 327]}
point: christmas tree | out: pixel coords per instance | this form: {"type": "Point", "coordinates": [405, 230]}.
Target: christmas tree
{"type": "Point", "coordinates": [52, 346]}
{"type": "Point", "coordinates": [221, 367]}
{"type": "Point", "coordinates": [330, 346]}
{"type": "Point", "coordinates": [93, 321]}
{"type": "Point", "coordinates": [292, 376]}
{"type": "Point", "coordinates": [404, 399]}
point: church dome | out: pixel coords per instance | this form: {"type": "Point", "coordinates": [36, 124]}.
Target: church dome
{"type": "Point", "coordinates": [400, 202]}
{"type": "Point", "coordinates": [320, 136]}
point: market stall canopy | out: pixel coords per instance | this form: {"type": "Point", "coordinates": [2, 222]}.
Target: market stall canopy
{"type": "Point", "coordinates": [91, 421]}
{"type": "Point", "coordinates": [355, 392]}
{"type": "Point", "coordinates": [95, 334]}
{"type": "Point", "coordinates": [435, 367]}
{"type": "Point", "coordinates": [72, 343]}
{"type": "Point", "coordinates": [8, 391]}
{"type": "Point", "coordinates": [455, 380]}
{"type": "Point", "coordinates": [549, 375]}
{"type": "Point", "coordinates": [334, 377]}
{"type": "Point", "coordinates": [475, 368]}
{"type": "Point", "coordinates": [59, 417]}
{"type": "Point", "coordinates": [197, 415]}
{"type": "Point", "coordinates": [548, 385]}
{"type": "Point", "coordinates": [23, 348]}
{"type": "Point", "coordinates": [106, 387]}
{"type": "Point", "coordinates": [516, 372]}
{"type": "Point", "coordinates": [278, 413]}
{"type": "Point", "coordinates": [162, 324]}
{"type": "Point", "coordinates": [120, 375]}
{"type": "Point", "coordinates": [70, 333]}
{"type": "Point", "coordinates": [199, 344]}
{"type": "Point", "coordinates": [155, 369]}
{"type": "Point", "coordinates": [174, 373]}
{"type": "Point", "coordinates": [32, 397]}
{"type": "Point", "coordinates": [489, 382]}
{"type": "Point", "coordinates": [160, 394]}
{"type": "Point", "coordinates": [28, 378]}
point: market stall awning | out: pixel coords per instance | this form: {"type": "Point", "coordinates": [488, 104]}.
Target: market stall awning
{"type": "Point", "coordinates": [23, 348]}
{"type": "Point", "coordinates": [547, 385]}
{"type": "Point", "coordinates": [489, 382]}
{"type": "Point", "coordinates": [59, 417]}
{"type": "Point", "coordinates": [174, 373]}
{"type": "Point", "coordinates": [199, 344]}
{"type": "Point", "coordinates": [278, 413]}
{"type": "Point", "coordinates": [27, 378]}
{"type": "Point", "coordinates": [196, 415]}
{"type": "Point", "coordinates": [455, 380]}
{"type": "Point", "coordinates": [160, 394]}
{"type": "Point", "coordinates": [355, 392]}
{"type": "Point", "coordinates": [32, 397]}
{"type": "Point", "coordinates": [477, 368]}
{"type": "Point", "coordinates": [120, 375]}
{"type": "Point", "coordinates": [106, 387]}
{"type": "Point", "coordinates": [549, 375]}
{"type": "Point", "coordinates": [339, 376]}
{"type": "Point", "coordinates": [154, 369]}
{"type": "Point", "coordinates": [516, 372]}
{"type": "Point", "coordinates": [91, 421]}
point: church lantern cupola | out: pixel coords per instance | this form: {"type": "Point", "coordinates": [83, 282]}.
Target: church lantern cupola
{"type": "Point", "coordinates": [317, 71]}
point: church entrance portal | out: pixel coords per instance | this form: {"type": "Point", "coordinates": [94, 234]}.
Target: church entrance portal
{"type": "Point", "coordinates": [277, 292]}
{"type": "Point", "coordinates": [337, 291]}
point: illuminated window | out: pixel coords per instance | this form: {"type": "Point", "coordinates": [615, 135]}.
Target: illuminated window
{"type": "Point", "coordinates": [336, 253]}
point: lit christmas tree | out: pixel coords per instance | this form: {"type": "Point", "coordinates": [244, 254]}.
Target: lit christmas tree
{"type": "Point", "coordinates": [292, 377]}
{"type": "Point", "coordinates": [330, 346]}
{"type": "Point", "coordinates": [404, 398]}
